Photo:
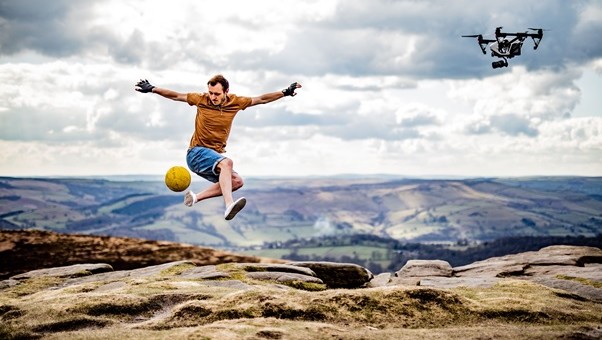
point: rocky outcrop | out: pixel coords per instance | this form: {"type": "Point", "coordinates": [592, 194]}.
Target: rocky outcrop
{"type": "Point", "coordinates": [334, 275]}
{"type": "Point", "coordinates": [577, 270]}
{"type": "Point", "coordinates": [532, 263]}
{"type": "Point", "coordinates": [247, 300]}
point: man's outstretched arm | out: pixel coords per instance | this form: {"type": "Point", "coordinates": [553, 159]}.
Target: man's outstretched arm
{"type": "Point", "coordinates": [270, 97]}
{"type": "Point", "coordinates": [145, 87]}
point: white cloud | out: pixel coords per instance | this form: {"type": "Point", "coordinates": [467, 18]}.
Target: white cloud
{"type": "Point", "coordinates": [388, 86]}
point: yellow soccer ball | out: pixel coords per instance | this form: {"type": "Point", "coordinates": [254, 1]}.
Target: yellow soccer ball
{"type": "Point", "coordinates": [177, 178]}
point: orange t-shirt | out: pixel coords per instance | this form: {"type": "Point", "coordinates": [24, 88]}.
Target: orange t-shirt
{"type": "Point", "coordinates": [212, 124]}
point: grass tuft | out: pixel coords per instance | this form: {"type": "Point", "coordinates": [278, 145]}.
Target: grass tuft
{"type": "Point", "coordinates": [76, 323]}
{"type": "Point", "coordinates": [34, 285]}
{"type": "Point", "coordinates": [581, 280]}
{"type": "Point", "coordinates": [308, 286]}
{"type": "Point", "coordinates": [11, 332]}
{"type": "Point", "coordinates": [176, 270]}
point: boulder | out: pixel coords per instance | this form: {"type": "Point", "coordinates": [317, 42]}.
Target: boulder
{"type": "Point", "coordinates": [423, 268]}
{"type": "Point", "coordinates": [380, 280]}
{"type": "Point", "coordinates": [338, 275]}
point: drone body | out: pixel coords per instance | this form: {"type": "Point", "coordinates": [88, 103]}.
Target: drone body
{"type": "Point", "coordinates": [502, 47]}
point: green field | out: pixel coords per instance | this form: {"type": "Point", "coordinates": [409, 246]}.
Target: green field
{"type": "Point", "coordinates": [379, 255]}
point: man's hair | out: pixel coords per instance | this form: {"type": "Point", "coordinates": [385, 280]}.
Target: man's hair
{"type": "Point", "coordinates": [219, 79]}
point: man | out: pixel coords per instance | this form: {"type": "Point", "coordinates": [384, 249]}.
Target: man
{"type": "Point", "coordinates": [216, 110]}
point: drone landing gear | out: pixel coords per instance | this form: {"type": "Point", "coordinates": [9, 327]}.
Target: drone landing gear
{"type": "Point", "coordinates": [500, 63]}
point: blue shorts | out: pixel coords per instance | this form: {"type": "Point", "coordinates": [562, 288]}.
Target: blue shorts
{"type": "Point", "coordinates": [203, 162]}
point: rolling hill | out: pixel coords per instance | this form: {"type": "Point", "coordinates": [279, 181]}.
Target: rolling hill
{"type": "Point", "coordinates": [278, 210]}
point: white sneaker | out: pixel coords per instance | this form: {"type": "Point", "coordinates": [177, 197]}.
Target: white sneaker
{"type": "Point", "coordinates": [234, 208]}
{"type": "Point", "coordinates": [190, 198]}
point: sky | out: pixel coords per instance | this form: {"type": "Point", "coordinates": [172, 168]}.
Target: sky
{"type": "Point", "coordinates": [389, 87]}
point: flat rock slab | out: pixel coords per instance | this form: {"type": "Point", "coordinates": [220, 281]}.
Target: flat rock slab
{"type": "Point", "coordinates": [112, 286]}
{"type": "Point", "coordinates": [76, 270]}
{"type": "Point", "coordinates": [589, 271]}
{"type": "Point", "coordinates": [157, 270]}
{"type": "Point", "coordinates": [574, 287]}
{"type": "Point", "coordinates": [283, 277]}
{"type": "Point", "coordinates": [126, 274]}
{"type": "Point", "coordinates": [270, 267]}
{"type": "Point", "coordinates": [231, 284]}
{"type": "Point", "coordinates": [455, 282]}
{"type": "Point", "coordinates": [204, 273]}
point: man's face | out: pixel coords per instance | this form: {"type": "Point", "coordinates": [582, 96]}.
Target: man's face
{"type": "Point", "coordinates": [217, 94]}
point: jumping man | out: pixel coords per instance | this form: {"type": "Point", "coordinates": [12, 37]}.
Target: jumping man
{"type": "Point", "coordinates": [215, 112]}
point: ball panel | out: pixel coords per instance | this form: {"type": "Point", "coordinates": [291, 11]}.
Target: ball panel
{"type": "Point", "coordinates": [177, 178]}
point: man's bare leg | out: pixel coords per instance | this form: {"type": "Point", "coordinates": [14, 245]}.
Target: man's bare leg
{"type": "Point", "coordinates": [225, 183]}
{"type": "Point", "coordinates": [215, 190]}
{"type": "Point", "coordinates": [225, 180]}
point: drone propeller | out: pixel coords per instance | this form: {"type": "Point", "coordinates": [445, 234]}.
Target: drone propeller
{"type": "Point", "coordinates": [538, 37]}
{"type": "Point", "coordinates": [482, 42]}
{"type": "Point", "coordinates": [539, 30]}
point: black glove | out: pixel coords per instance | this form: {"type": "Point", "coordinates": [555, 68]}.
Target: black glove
{"type": "Point", "coordinates": [144, 86]}
{"type": "Point", "coordinates": [290, 91]}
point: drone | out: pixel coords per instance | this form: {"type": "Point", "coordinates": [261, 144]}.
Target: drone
{"type": "Point", "coordinates": [502, 47]}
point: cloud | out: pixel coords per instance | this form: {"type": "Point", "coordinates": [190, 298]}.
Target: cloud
{"type": "Point", "coordinates": [546, 94]}
{"type": "Point", "coordinates": [417, 116]}
{"type": "Point", "coordinates": [418, 39]}
{"type": "Point", "coordinates": [388, 86]}
{"type": "Point", "coordinates": [58, 30]}
{"type": "Point", "coordinates": [424, 39]}
{"type": "Point", "coordinates": [513, 125]}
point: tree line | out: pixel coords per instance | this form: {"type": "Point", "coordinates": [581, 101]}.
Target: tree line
{"type": "Point", "coordinates": [398, 252]}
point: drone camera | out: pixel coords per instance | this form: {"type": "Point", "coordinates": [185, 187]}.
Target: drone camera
{"type": "Point", "coordinates": [499, 63]}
